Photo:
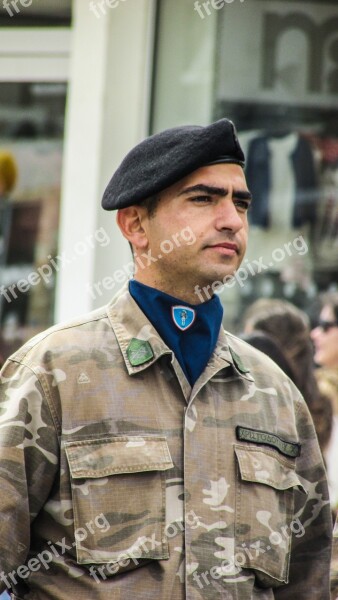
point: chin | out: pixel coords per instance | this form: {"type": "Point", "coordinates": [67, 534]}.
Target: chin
{"type": "Point", "coordinates": [320, 360]}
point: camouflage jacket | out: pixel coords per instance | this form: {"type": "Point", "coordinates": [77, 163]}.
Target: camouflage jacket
{"type": "Point", "coordinates": [120, 481]}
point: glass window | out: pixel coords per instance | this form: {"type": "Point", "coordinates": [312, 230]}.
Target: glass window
{"type": "Point", "coordinates": [34, 13]}
{"type": "Point", "coordinates": [31, 140]}
{"type": "Point", "coordinates": [272, 67]}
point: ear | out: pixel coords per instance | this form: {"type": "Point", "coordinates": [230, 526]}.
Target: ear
{"type": "Point", "coordinates": [130, 222]}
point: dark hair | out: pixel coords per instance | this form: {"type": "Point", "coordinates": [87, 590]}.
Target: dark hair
{"type": "Point", "coordinates": [290, 326]}
{"type": "Point", "coordinates": [272, 348]}
{"type": "Point", "coordinates": [151, 204]}
{"type": "Point", "coordinates": [303, 376]}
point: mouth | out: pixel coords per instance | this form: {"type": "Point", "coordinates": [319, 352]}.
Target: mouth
{"type": "Point", "coordinates": [225, 248]}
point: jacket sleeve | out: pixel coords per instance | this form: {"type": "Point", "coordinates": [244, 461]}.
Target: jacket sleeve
{"type": "Point", "coordinates": [312, 523]}
{"type": "Point", "coordinates": [28, 462]}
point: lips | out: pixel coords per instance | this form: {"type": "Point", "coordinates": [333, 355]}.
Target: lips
{"type": "Point", "coordinates": [226, 246]}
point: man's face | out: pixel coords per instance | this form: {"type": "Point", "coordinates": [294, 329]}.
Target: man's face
{"type": "Point", "coordinates": [212, 201]}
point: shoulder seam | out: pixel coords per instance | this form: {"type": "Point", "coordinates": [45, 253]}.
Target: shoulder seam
{"type": "Point", "coordinates": [21, 354]}
{"type": "Point", "coordinates": [56, 423]}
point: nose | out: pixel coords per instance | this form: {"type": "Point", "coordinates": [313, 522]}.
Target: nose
{"type": "Point", "coordinates": [227, 216]}
{"type": "Point", "coordinates": [315, 333]}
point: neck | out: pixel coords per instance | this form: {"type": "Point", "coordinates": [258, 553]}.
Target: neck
{"type": "Point", "coordinates": [192, 295]}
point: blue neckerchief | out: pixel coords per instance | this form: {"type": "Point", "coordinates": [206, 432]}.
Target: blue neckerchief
{"type": "Point", "coordinates": [190, 330]}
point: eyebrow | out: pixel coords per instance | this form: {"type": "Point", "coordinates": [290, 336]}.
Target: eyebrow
{"type": "Point", "coordinates": [216, 191]}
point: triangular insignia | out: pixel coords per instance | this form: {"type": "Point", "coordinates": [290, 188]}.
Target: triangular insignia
{"type": "Point", "coordinates": [183, 316]}
{"type": "Point", "coordinates": [83, 378]}
{"type": "Point", "coordinates": [139, 352]}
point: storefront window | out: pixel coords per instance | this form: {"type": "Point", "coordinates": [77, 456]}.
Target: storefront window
{"type": "Point", "coordinates": [275, 74]}
{"type": "Point", "coordinates": [35, 13]}
{"type": "Point", "coordinates": [31, 139]}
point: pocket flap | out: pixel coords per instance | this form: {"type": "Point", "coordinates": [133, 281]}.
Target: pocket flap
{"type": "Point", "coordinates": [120, 454]}
{"type": "Point", "coordinates": [266, 466]}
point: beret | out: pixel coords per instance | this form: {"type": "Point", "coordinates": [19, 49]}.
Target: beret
{"type": "Point", "coordinates": [162, 159]}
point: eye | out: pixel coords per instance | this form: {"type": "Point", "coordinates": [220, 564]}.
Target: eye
{"type": "Point", "coordinates": [201, 199]}
{"type": "Point", "coordinates": [242, 204]}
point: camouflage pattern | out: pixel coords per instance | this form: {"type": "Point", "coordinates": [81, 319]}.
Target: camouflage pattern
{"type": "Point", "coordinates": [334, 563]}
{"type": "Point", "coordinates": [120, 481]}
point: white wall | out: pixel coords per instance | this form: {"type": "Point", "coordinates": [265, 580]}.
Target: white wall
{"type": "Point", "coordinates": [184, 81]}
{"type": "Point", "coordinates": [107, 112]}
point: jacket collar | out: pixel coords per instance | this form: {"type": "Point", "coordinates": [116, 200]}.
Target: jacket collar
{"type": "Point", "coordinates": [141, 345]}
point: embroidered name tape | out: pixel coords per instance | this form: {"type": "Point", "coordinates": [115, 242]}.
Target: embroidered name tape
{"type": "Point", "coordinates": [290, 449]}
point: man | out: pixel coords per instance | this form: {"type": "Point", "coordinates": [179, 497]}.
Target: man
{"type": "Point", "coordinates": [146, 453]}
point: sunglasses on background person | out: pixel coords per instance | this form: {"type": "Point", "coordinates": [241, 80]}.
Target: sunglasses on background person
{"type": "Point", "coordinates": [326, 325]}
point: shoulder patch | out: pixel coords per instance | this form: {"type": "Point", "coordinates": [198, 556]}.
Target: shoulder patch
{"type": "Point", "coordinates": [238, 361]}
{"type": "Point", "coordinates": [139, 352]}
{"type": "Point", "coordinates": [256, 436]}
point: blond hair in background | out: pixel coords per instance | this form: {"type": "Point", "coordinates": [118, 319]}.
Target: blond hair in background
{"type": "Point", "coordinates": [8, 172]}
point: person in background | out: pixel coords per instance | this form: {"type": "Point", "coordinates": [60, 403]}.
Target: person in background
{"type": "Point", "coordinates": [271, 347]}
{"type": "Point", "coordinates": [334, 563]}
{"type": "Point", "coordinates": [289, 326]}
{"type": "Point", "coordinates": [322, 412]}
{"type": "Point", "coordinates": [325, 340]}
{"type": "Point", "coordinates": [325, 334]}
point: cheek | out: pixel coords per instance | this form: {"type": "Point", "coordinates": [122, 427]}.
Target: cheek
{"type": "Point", "coordinates": [156, 239]}
{"type": "Point", "coordinates": [328, 347]}
{"type": "Point", "coordinates": [334, 343]}
{"type": "Point", "coordinates": [244, 240]}
{"type": "Point", "coordinates": [245, 230]}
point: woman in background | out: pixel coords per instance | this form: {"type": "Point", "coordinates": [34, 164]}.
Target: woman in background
{"type": "Point", "coordinates": [325, 340]}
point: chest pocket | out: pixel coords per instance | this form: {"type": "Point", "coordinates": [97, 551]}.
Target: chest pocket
{"type": "Point", "coordinates": [118, 496]}
{"type": "Point", "coordinates": [264, 513]}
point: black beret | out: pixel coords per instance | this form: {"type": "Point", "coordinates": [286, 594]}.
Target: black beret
{"type": "Point", "coordinates": [162, 159]}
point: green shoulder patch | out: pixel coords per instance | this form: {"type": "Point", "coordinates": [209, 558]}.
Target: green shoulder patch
{"type": "Point", "coordinates": [238, 361]}
{"type": "Point", "coordinates": [290, 449]}
{"type": "Point", "coordinates": [139, 352]}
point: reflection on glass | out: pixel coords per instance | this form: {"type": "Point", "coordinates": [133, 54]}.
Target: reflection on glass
{"type": "Point", "coordinates": [31, 138]}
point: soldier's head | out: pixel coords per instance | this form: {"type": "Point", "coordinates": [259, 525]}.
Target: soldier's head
{"type": "Point", "coordinates": [186, 178]}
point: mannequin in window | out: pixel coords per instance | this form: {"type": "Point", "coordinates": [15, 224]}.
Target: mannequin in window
{"type": "Point", "coordinates": [282, 173]}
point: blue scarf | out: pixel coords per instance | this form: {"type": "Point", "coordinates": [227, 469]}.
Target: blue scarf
{"type": "Point", "coordinates": [189, 330]}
